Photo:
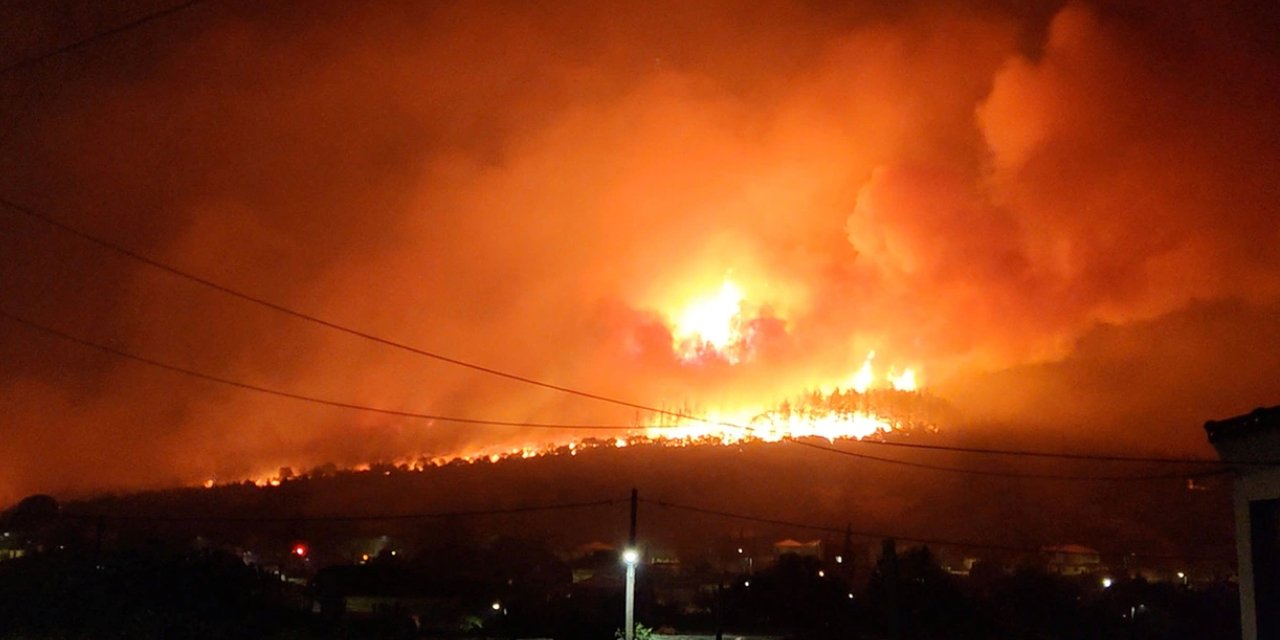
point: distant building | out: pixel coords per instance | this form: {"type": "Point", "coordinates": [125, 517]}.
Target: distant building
{"type": "Point", "coordinates": [1255, 438]}
{"type": "Point", "coordinates": [415, 599]}
{"type": "Point", "coordinates": [10, 548]}
{"type": "Point", "coordinates": [1071, 559]}
{"type": "Point", "coordinates": [594, 564]}
{"type": "Point", "coordinates": [810, 549]}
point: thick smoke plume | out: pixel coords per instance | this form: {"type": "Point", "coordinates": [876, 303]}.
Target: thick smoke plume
{"type": "Point", "coordinates": [1064, 216]}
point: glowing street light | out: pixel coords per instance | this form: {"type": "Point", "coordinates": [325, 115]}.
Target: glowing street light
{"type": "Point", "coordinates": [497, 606]}
{"type": "Point", "coordinates": [1106, 583]}
{"type": "Point", "coordinates": [631, 557]}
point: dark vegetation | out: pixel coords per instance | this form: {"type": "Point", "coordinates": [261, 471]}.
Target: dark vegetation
{"type": "Point", "coordinates": [158, 591]}
{"type": "Point", "coordinates": [219, 563]}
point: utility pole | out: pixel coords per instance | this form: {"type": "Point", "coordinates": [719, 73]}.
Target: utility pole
{"type": "Point", "coordinates": [631, 557]}
{"type": "Point", "coordinates": [889, 569]}
{"type": "Point", "coordinates": [631, 539]}
{"type": "Point", "coordinates": [98, 528]}
{"type": "Point", "coordinates": [846, 556]}
{"type": "Point", "coordinates": [720, 607]}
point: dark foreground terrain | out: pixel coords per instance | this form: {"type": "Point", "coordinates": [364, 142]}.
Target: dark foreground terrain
{"type": "Point", "coordinates": [762, 539]}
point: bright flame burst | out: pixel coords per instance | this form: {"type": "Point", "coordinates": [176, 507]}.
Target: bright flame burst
{"type": "Point", "coordinates": [710, 323]}
{"type": "Point", "coordinates": [848, 410]}
{"type": "Point", "coordinates": [718, 325]}
{"type": "Point", "coordinates": [865, 378]}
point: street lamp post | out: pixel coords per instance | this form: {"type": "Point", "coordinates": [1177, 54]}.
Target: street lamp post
{"type": "Point", "coordinates": [630, 557]}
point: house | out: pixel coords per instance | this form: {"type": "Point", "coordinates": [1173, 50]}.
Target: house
{"type": "Point", "coordinates": [811, 548]}
{"type": "Point", "coordinates": [413, 597]}
{"type": "Point", "coordinates": [1071, 559]}
{"type": "Point", "coordinates": [10, 547]}
{"type": "Point", "coordinates": [592, 559]}
{"type": "Point", "coordinates": [1251, 443]}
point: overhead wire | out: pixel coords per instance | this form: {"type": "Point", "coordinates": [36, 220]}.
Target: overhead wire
{"type": "Point", "coordinates": [175, 271]}
{"type": "Point", "coordinates": [1067, 455]}
{"type": "Point", "coordinates": [205, 282]}
{"type": "Point", "coordinates": [559, 426]}
{"type": "Point", "coordinates": [564, 506]}
{"type": "Point", "coordinates": [880, 536]}
{"type": "Point", "coordinates": [297, 396]}
{"type": "Point", "coordinates": [147, 18]}
{"type": "Point", "coordinates": [433, 515]}
{"type": "Point", "coordinates": [1014, 474]}
{"type": "Point", "coordinates": [97, 36]}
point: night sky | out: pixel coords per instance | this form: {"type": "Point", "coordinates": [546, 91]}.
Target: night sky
{"type": "Point", "coordinates": [1063, 217]}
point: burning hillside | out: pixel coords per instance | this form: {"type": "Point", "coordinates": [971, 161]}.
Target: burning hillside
{"type": "Point", "coordinates": [842, 414]}
{"type": "Point", "coordinates": [728, 329]}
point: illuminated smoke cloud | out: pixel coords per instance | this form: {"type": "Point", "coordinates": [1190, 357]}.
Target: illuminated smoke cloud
{"type": "Point", "coordinates": [1055, 217]}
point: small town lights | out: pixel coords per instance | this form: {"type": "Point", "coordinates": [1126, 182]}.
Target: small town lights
{"type": "Point", "coordinates": [821, 573]}
{"type": "Point", "coordinates": [1106, 583]}
{"type": "Point", "coordinates": [839, 559]}
{"type": "Point", "coordinates": [496, 606]}
{"type": "Point", "coordinates": [300, 550]}
{"type": "Point", "coordinates": [630, 557]}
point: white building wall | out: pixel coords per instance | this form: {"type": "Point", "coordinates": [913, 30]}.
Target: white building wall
{"type": "Point", "coordinates": [1250, 486]}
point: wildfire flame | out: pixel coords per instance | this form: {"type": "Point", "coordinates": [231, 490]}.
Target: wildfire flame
{"type": "Point", "coordinates": [905, 381]}
{"type": "Point", "coordinates": [862, 404]}
{"type": "Point", "coordinates": [711, 323]}
{"type": "Point", "coordinates": [844, 414]}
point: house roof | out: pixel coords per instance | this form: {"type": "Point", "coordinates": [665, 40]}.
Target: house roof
{"type": "Point", "coordinates": [789, 543]}
{"type": "Point", "coordinates": [1256, 421]}
{"type": "Point", "coordinates": [1076, 549]}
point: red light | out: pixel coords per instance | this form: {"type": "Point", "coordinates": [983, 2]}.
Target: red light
{"type": "Point", "coordinates": [300, 550]}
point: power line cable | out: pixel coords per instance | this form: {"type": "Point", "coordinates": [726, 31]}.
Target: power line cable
{"type": "Point", "coordinates": [344, 517]}
{"type": "Point", "coordinates": [1012, 474]}
{"type": "Point", "coordinates": [878, 536]}
{"type": "Point", "coordinates": [333, 325]}
{"type": "Point", "coordinates": [562, 426]}
{"type": "Point", "coordinates": [298, 396]}
{"type": "Point", "coordinates": [112, 246]}
{"type": "Point", "coordinates": [95, 37]}
{"type": "Point", "coordinates": [1099, 457]}
{"type": "Point", "coordinates": [145, 19]}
